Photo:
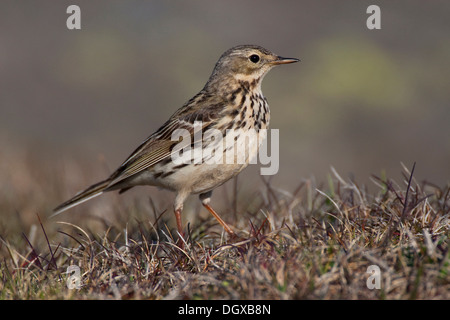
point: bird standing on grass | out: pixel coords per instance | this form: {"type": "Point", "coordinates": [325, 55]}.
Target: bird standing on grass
{"type": "Point", "coordinates": [231, 100]}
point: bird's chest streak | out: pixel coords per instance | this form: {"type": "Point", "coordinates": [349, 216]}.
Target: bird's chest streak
{"type": "Point", "coordinates": [241, 137]}
{"type": "Point", "coordinates": [250, 108]}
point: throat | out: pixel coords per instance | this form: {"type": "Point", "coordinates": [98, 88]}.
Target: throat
{"type": "Point", "coordinates": [249, 83]}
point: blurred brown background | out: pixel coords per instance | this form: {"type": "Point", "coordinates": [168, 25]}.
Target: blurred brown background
{"type": "Point", "coordinates": [360, 100]}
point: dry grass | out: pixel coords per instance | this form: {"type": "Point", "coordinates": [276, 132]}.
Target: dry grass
{"type": "Point", "coordinates": [314, 243]}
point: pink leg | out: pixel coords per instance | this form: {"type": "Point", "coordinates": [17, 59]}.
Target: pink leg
{"type": "Point", "coordinates": [180, 228]}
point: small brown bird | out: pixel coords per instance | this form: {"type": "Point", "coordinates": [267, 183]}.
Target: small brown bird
{"type": "Point", "coordinates": [230, 100]}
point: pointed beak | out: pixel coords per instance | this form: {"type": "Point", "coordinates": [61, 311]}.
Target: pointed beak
{"type": "Point", "coordinates": [281, 60]}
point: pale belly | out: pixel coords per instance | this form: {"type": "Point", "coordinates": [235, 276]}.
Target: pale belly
{"type": "Point", "coordinates": [209, 172]}
{"type": "Point", "coordinates": [201, 178]}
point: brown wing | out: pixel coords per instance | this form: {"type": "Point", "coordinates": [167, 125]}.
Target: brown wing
{"type": "Point", "coordinates": [159, 145]}
{"type": "Point", "coordinates": [155, 148]}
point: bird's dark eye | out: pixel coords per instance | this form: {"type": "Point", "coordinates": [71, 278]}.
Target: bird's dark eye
{"type": "Point", "coordinates": [254, 58]}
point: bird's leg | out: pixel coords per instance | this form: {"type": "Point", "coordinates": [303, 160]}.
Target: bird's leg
{"type": "Point", "coordinates": [178, 208]}
{"type": "Point", "coordinates": [205, 198]}
{"type": "Point", "coordinates": [180, 228]}
{"type": "Point", "coordinates": [223, 223]}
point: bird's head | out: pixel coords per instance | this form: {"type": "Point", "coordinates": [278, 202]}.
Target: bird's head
{"type": "Point", "coordinates": [247, 63]}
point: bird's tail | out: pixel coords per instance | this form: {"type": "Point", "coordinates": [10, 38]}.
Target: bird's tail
{"type": "Point", "coordinates": [91, 192]}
